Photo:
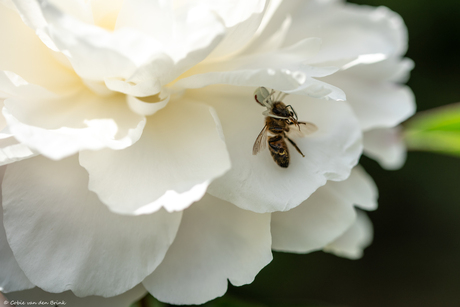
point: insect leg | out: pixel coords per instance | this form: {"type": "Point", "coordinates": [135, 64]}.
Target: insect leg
{"type": "Point", "coordinates": [278, 97]}
{"type": "Point", "coordinates": [292, 109]}
{"type": "Point", "coordinates": [267, 99]}
{"type": "Point", "coordinates": [282, 96]}
{"type": "Point", "coordinates": [295, 123]}
{"type": "Point", "coordinates": [295, 145]}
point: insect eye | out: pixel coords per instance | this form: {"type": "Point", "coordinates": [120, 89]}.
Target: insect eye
{"type": "Point", "coordinates": [291, 114]}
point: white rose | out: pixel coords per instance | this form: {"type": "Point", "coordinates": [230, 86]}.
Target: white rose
{"type": "Point", "coordinates": [131, 125]}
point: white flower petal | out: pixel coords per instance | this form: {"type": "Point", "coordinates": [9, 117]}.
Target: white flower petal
{"type": "Point", "coordinates": [287, 57]}
{"type": "Point", "coordinates": [80, 9]}
{"type": "Point", "coordinates": [282, 70]}
{"type": "Point", "coordinates": [145, 81]}
{"type": "Point", "coordinates": [9, 4]}
{"type": "Point", "coordinates": [234, 12]}
{"type": "Point", "coordinates": [313, 224]}
{"type": "Point", "coordinates": [393, 69]}
{"type": "Point", "coordinates": [386, 146]}
{"type": "Point", "coordinates": [192, 44]}
{"type": "Point", "coordinates": [325, 216]}
{"type": "Point", "coordinates": [271, 43]}
{"type": "Point", "coordinates": [95, 53]}
{"type": "Point", "coordinates": [13, 85]}
{"type": "Point", "coordinates": [146, 105]}
{"type": "Point", "coordinates": [62, 126]}
{"type": "Point", "coordinates": [279, 79]}
{"type": "Point", "coordinates": [242, 18]}
{"type": "Point", "coordinates": [348, 31]}
{"type": "Point", "coordinates": [358, 189]}
{"type": "Point", "coordinates": [5, 133]}
{"type": "Point", "coordinates": [180, 152]}
{"type": "Point", "coordinates": [255, 182]}
{"type": "Point", "coordinates": [354, 240]}
{"type": "Point", "coordinates": [64, 238]}
{"type": "Point", "coordinates": [11, 151]}
{"type": "Point", "coordinates": [154, 18]}
{"type": "Point", "coordinates": [187, 32]}
{"type": "Point", "coordinates": [23, 53]}
{"type": "Point", "coordinates": [36, 295]}
{"type": "Point", "coordinates": [12, 278]}
{"type": "Point", "coordinates": [186, 26]}
{"type": "Point", "coordinates": [377, 104]}
{"type": "Point", "coordinates": [274, 20]}
{"type": "Point", "coordinates": [215, 242]}
{"type": "Point", "coordinates": [127, 60]}
{"type": "Point", "coordinates": [106, 12]}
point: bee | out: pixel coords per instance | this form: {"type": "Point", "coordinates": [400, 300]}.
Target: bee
{"type": "Point", "coordinates": [280, 122]}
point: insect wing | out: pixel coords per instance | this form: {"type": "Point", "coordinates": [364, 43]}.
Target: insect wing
{"type": "Point", "coordinates": [261, 141]}
{"type": "Point", "coordinates": [303, 129]}
{"type": "Point", "coordinates": [263, 97]}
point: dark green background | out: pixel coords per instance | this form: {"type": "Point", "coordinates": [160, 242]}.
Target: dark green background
{"type": "Point", "coordinates": [415, 257]}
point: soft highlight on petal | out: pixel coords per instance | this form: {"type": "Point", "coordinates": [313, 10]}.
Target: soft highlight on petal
{"type": "Point", "coordinates": [188, 32]}
{"type": "Point", "coordinates": [58, 127]}
{"type": "Point", "coordinates": [64, 238]}
{"type": "Point", "coordinates": [215, 242]}
{"type": "Point", "coordinates": [283, 70]}
{"type": "Point", "coordinates": [376, 103]}
{"type": "Point", "coordinates": [348, 31]}
{"type": "Point", "coordinates": [23, 53]}
{"type": "Point", "coordinates": [242, 19]}
{"type": "Point", "coordinates": [95, 53]}
{"type": "Point", "coordinates": [180, 153]}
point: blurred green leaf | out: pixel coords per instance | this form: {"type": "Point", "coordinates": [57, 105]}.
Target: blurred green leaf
{"type": "Point", "coordinates": [436, 130]}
